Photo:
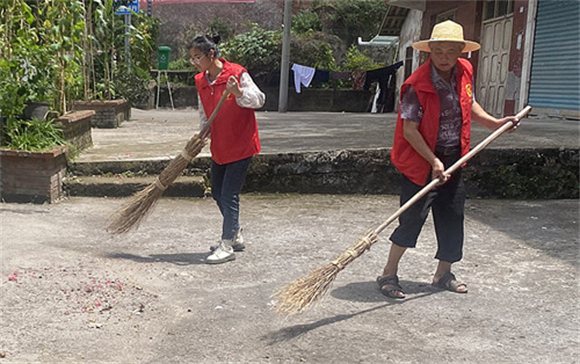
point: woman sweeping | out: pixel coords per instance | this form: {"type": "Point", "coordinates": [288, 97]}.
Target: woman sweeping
{"type": "Point", "coordinates": [234, 136]}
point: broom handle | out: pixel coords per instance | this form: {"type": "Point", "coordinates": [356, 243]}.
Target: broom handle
{"type": "Point", "coordinates": [454, 167]}
{"type": "Point", "coordinates": [204, 132]}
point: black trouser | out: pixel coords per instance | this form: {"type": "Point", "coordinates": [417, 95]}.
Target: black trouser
{"type": "Point", "coordinates": [447, 203]}
{"type": "Point", "coordinates": [227, 181]}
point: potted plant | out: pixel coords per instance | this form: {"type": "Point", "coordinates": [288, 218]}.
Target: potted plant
{"type": "Point", "coordinates": [33, 162]}
{"type": "Point", "coordinates": [39, 48]}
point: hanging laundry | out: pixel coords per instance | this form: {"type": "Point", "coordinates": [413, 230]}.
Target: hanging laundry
{"type": "Point", "coordinates": [302, 75]}
{"type": "Point", "coordinates": [383, 76]}
{"type": "Point", "coordinates": [321, 76]}
{"type": "Point", "coordinates": [358, 79]}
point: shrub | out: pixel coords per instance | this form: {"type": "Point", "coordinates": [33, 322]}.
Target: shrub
{"type": "Point", "coordinates": [219, 27]}
{"type": "Point", "coordinates": [133, 88]}
{"type": "Point", "coordinates": [33, 135]}
{"type": "Point", "coordinates": [351, 19]}
{"type": "Point", "coordinates": [181, 64]}
{"type": "Point", "coordinates": [358, 61]}
{"type": "Point", "coordinates": [314, 49]}
{"type": "Point", "coordinates": [256, 49]}
{"type": "Point", "coordinates": [306, 20]}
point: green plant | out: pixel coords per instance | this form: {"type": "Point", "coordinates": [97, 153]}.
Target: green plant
{"type": "Point", "coordinates": [61, 50]}
{"type": "Point", "coordinates": [306, 20]}
{"type": "Point", "coordinates": [133, 88]}
{"type": "Point", "coordinates": [104, 46]}
{"type": "Point", "coordinates": [219, 27]}
{"type": "Point", "coordinates": [33, 135]}
{"type": "Point", "coordinates": [314, 49]}
{"type": "Point", "coordinates": [143, 33]}
{"type": "Point", "coordinates": [183, 39]}
{"type": "Point", "coordinates": [101, 49]}
{"type": "Point", "coordinates": [39, 44]}
{"type": "Point", "coordinates": [63, 25]}
{"type": "Point", "coordinates": [25, 72]}
{"type": "Point", "coordinates": [358, 61]}
{"type": "Point", "coordinates": [180, 64]}
{"type": "Point", "coordinates": [351, 19]}
{"type": "Point", "coordinates": [257, 49]}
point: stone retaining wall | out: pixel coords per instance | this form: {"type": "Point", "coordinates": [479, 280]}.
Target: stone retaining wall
{"type": "Point", "coordinates": [545, 173]}
{"type": "Point", "coordinates": [493, 173]}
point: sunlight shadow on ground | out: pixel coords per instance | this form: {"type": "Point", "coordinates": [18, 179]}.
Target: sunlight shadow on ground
{"type": "Point", "coordinates": [550, 226]}
{"type": "Point", "coordinates": [177, 259]}
{"type": "Point", "coordinates": [293, 332]}
{"type": "Point", "coordinates": [368, 291]}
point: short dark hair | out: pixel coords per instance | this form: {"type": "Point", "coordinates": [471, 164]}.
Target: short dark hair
{"type": "Point", "coordinates": [205, 43]}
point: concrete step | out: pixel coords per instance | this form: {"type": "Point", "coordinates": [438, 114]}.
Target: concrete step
{"type": "Point", "coordinates": [517, 173]}
{"type": "Point", "coordinates": [121, 186]}
{"type": "Point", "coordinates": [199, 166]}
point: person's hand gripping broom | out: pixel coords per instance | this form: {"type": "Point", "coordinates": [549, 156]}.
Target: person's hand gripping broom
{"type": "Point", "coordinates": [130, 215]}
{"type": "Point", "coordinates": [304, 292]}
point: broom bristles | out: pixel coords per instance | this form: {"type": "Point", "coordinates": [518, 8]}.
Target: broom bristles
{"type": "Point", "coordinates": [307, 291]}
{"type": "Point", "coordinates": [143, 202]}
{"type": "Point", "coordinates": [131, 214]}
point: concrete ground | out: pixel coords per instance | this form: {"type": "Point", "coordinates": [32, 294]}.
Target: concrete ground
{"type": "Point", "coordinates": [162, 134]}
{"type": "Point", "coordinates": [71, 293]}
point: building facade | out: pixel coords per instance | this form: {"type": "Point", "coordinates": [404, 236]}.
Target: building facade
{"type": "Point", "coordinates": [530, 50]}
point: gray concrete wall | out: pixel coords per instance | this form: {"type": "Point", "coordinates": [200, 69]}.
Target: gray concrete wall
{"type": "Point", "coordinates": [494, 173]}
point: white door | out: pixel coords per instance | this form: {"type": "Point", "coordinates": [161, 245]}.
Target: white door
{"type": "Point", "coordinates": [493, 64]}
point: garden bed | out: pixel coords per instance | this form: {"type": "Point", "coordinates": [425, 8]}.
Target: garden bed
{"type": "Point", "coordinates": [76, 128]}
{"type": "Point", "coordinates": [108, 114]}
{"type": "Point", "coordinates": [35, 177]}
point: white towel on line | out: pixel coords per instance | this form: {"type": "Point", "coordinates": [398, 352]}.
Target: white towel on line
{"type": "Point", "coordinates": [302, 75]}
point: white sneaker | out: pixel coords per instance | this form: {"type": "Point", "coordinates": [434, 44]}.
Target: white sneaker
{"type": "Point", "coordinates": [238, 244]}
{"type": "Point", "coordinates": [223, 253]}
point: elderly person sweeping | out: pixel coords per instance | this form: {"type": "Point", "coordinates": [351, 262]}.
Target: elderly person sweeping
{"type": "Point", "coordinates": [432, 133]}
{"type": "Point", "coordinates": [234, 136]}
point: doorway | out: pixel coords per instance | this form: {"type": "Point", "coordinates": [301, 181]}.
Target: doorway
{"type": "Point", "coordinates": [494, 55]}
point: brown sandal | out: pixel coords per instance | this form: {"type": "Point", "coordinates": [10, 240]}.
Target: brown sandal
{"type": "Point", "coordinates": [448, 282]}
{"type": "Point", "coordinates": [389, 286]}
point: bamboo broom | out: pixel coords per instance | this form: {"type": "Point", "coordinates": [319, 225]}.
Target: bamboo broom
{"type": "Point", "coordinates": [142, 202]}
{"type": "Point", "coordinates": [304, 292]}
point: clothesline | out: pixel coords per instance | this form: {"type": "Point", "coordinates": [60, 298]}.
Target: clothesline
{"type": "Point", "coordinates": [304, 76]}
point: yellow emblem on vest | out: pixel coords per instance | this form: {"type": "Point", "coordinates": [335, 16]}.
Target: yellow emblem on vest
{"type": "Point", "coordinates": [468, 90]}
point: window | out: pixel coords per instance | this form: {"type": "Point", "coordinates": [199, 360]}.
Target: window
{"type": "Point", "coordinates": [497, 8]}
{"type": "Point", "coordinates": [448, 15]}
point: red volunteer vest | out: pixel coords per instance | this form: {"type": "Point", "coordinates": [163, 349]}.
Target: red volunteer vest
{"type": "Point", "coordinates": [403, 155]}
{"type": "Point", "coordinates": [234, 131]}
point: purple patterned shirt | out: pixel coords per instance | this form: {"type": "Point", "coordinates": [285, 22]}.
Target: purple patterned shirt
{"type": "Point", "coordinates": [450, 118]}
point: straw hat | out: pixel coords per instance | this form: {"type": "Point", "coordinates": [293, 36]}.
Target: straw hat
{"type": "Point", "coordinates": [447, 31]}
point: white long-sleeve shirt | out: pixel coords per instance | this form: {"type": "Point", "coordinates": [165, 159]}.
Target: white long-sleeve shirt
{"type": "Point", "coordinates": [252, 97]}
